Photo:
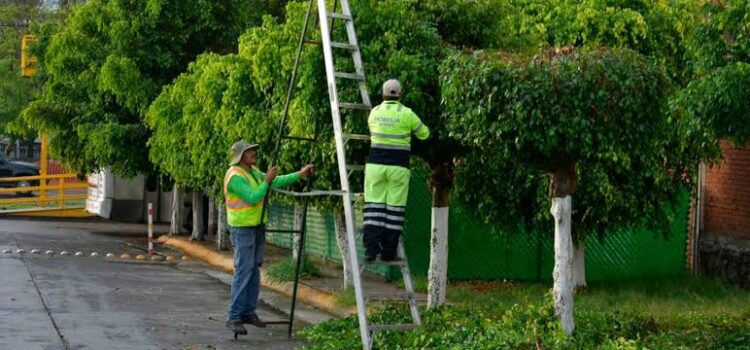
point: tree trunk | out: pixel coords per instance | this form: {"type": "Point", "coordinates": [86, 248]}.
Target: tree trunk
{"type": "Point", "coordinates": [579, 265]}
{"type": "Point", "coordinates": [299, 214]}
{"type": "Point", "coordinates": [562, 186]}
{"type": "Point", "coordinates": [212, 225]}
{"type": "Point", "coordinates": [441, 182]}
{"type": "Point", "coordinates": [222, 228]}
{"type": "Point", "coordinates": [339, 224]}
{"type": "Point", "coordinates": [563, 273]}
{"type": "Point", "coordinates": [198, 222]}
{"type": "Point", "coordinates": [438, 271]}
{"type": "Point", "coordinates": [177, 213]}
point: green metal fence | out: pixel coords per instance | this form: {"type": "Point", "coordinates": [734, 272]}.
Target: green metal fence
{"type": "Point", "coordinates": [482, 251]}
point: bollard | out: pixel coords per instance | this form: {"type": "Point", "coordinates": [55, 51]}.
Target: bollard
{"type": "Point", "coordinates": [150, 229]}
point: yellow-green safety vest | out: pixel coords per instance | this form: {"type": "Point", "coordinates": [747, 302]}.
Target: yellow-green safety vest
{"type": "Point", "coordinates": [391, 125]}
{"type": "Point", "coordinates": [239, 212]}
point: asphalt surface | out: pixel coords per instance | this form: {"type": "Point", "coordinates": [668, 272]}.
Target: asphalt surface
{"type": "Point", "coordinates": [84, 302]}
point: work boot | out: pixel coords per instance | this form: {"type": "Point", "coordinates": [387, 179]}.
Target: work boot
{"type": "Point", "coordinates": [236, 327]}
{"type": "Point", "coordinates": [253, 320]}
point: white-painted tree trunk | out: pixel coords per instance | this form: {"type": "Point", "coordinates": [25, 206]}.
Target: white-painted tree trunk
{"type": "Point", "coordinates": [212, 222]}
{"type": "Point", "coordinates": [175, 227]}
{"type": "Point", "coordinates": [562, 275]}
{"type": "Point", "coordinates": [438, 271]}
{"type": "Point", "coordinates": [297, 236]}
{"type": "Point", "coordinates": [198, 219]}
{"type": "Point", "coordinates": [579, 265]}
{"type": "Point", "coordinates": [222, 228]}
{"type": "Point", "coordinates": [340, 228]}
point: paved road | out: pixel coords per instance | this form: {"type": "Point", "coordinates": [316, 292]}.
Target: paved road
{"type": "Point", "coordinates": [68, 302]}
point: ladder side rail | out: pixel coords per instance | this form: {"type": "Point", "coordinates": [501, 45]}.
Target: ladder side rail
{"type": "Point", "coordinates": [356, 54]}
{"type": "Point", "coordinates": [341, 157]}
{"type": "Point", "coordinates": [303, 233]}
{"type": "Point", "coordinates": [409, 284]}
{"type": "Point", "coordinates": [287, 103]}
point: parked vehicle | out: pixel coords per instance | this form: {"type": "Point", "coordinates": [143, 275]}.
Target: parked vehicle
{"type": "Point", "coordinates": [12, 168]}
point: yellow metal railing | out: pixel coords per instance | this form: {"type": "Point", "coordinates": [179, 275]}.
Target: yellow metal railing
{"type": "Point", "coordinates": [40, 194]}
{"type": "Point", "coordinates": [40, 198]}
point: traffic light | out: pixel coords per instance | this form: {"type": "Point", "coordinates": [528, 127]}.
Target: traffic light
{"type": "Point", "coordinates": [28, 63]}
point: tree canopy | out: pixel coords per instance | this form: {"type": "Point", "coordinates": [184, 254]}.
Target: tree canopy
{"type": "Point", "coordinates": [716, 102]}
{"type": "Point", "coordinates": [108, 63]}
{"type": "Point", "coordinates": [600, 112]}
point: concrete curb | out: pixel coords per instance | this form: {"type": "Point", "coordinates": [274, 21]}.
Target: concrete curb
{"type": "Point", "coordinates": [319, 299]}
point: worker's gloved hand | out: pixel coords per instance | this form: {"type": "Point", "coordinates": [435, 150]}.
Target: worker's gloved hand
{"type": "Point", "coordinates": [307, 170]}
{"type": "Point", "coordinates": [271, 174]}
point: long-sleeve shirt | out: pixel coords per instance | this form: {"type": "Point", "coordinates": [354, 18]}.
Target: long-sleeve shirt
{"type": "Point", "coordinates": [242, 188]}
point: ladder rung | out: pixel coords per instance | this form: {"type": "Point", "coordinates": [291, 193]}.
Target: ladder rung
{"type": "Point", "coordinates": [349, 76]}
{"type": "Point", "coordinates": [361, 106]}
{"type": "Point", "coordinates": [391, 327]}
{"type": "Point", "coordinates": [355, 167]}
{"type": "Point", "coordinates": [361, 137]}
{"type": "Point", "coordinates": [344, 45]}
{"type": "Point", "coordinates": [283, 231]}
{"type": "Point", "coordinates": [297, 138]}
{"type": "Point", "coordinates": [339, 16]}
{"type": "Point", "coordinates": [312, 42]}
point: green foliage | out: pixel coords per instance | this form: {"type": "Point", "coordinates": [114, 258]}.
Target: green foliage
{"type": "Point", "coordinates": [716, 102]}
{"type": "Point", "coordinates": [283, 271]}
{"type": "Point", "coordinates": [196, 118]}
{"type": "Point", "coordinates": [721, 38]}
{"type": "Point", "coordinates": [531, 324]}
{"type": "Point", "coordinates": [412, 49]}
{"type": "Point", "coordinates": [106, 65]}
{"type": "Point", "coordinates": [601, 110]}
{"type": "Point", "coordinates": [409, 49]}
{"type": "Point", "coordinates": [717, 107]}
{"type": "Point", "coordinates": [14, 93]}
{"type": "Point", "coordinates": [655, 28]}
{"type": "Point", "coordinates": [18, 18]}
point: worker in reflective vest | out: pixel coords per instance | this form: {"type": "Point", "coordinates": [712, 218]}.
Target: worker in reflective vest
{"type": "Point", "coordinates": [245, 188]}
{"type": "Point", "coordinates": [387, 172]}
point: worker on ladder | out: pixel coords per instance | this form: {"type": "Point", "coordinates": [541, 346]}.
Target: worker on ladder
{"type": "Point", "coordinates": [245, 188]}
{"type": "Point", "coordinates": [387, 172]}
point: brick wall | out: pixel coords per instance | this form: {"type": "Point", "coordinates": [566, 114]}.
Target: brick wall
{"type": "Point", "coordinates": [727, 205]}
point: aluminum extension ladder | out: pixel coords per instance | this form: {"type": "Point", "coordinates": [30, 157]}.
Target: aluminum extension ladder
{"type": "Point", "coordinates": [327, 19]}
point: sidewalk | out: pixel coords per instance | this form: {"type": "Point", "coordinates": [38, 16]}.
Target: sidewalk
{"type": "Point", "coordinates": [319, 292]}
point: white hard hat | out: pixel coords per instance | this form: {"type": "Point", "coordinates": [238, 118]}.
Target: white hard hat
{"type": "Point", "coordinates": [392, 88]}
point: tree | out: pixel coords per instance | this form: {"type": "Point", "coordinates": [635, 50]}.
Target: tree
{"type": "Point", "coordinates": [589, 123]}
{"type": "Point", "coordinates": [655, 28]}
{"type": "Point", "coordinates": [715, 103]}
{"type": "Point", "coordinates": [109, 62]}
{"type": "Point", "coordinates": [16, 18]}
{"type": "Point", "coordinates": [204, 111]}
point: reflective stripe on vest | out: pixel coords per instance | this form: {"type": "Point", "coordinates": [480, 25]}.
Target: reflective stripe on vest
{"type": "Point", "coordinates": [239, 212]}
